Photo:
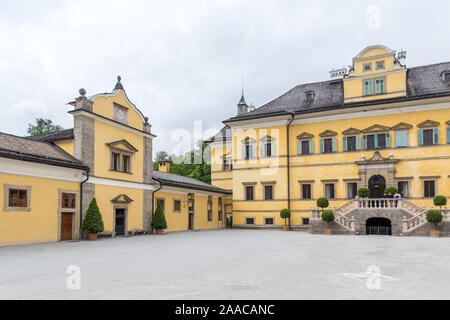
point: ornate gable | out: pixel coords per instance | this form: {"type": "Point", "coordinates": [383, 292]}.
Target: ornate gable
{"type": "Point", "coordinates": [428, 124]}
{"type": "Point", "coordinates": [305, 136]}
{"type": "Point", "coordinates": [351, 131]}
{"type": "Point", "coordinates": [122, 198]}
{"type": "Point", "coordinates": [122, 145]}
{"type": "Point", "coordinates": [328, 133]}
{"type": "Point", "coordinates": [402, 126]}
{"type": "Point", "coordinates": [376, 128]}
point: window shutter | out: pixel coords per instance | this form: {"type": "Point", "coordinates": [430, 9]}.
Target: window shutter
{"type": "Point", "coordinates": [311, 146]}
{"type": "Point", "coordinates": [322, 149]}
{"type": "Point", "coordinates": [420, 137]}
{"type": "Point", "coordinates": [344, 144]}
{"type": "Point", "coordinates": [358, 143]}
{"type": "Point", "coordinates": [435, 135]}
{"type": "Point", "coordinates": [272, 149]}
{"type": "Point", "coordinates": [299, 147]}
{"type": "Point", "coordinates": [262, 154]}
{"type": "Point", "coordinates": [388, 140]}
{"type": "Point", "coordinates": [448, 134]}
{"type": "Point", "coordinates": [243, 151]}
{"type": "Point", "coordinates": [376, 141]}
{"type": "Point", "coordinates": [365, 142]}
{"type": "Point", "coordinates": [334, 146]}
{"type": "Point", "coordinates": [253, 153]}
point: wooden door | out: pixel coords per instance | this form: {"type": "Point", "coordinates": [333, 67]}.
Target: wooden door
{"type": "Point", "coordinates": [66, 226]}
{"type": "Point", "coordinates": [120, 222]}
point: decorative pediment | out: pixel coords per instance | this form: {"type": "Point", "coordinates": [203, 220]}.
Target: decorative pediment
{"type": "Point", "coordinates": [122, 145]}
{"type": "Point", "coordinates": [305, 136]}
{"type": "Point", "coordinates": [428, 124]}
{"type": "Point", "coordinates": [122, 198]}
{"type": "Point", "coordinates": [248, 140]}
{"type": "Point", "coordinates": [377, 158]}
{"type": "Point", "coordinates": [267, 138]}
{"type": "Point", "coordinates": [226, 155]}
{"type": "Point", "coordinates": [351, 131]}
{"type": "Point", "coordinates": [328, 133]}
{"type": "Point", "coordinates": [402, 126]}
{"type": "Point", "coordinates": [376, 128]}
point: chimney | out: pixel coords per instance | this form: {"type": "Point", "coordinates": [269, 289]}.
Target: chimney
{"type": "Point", "coordinates": [164, 166]}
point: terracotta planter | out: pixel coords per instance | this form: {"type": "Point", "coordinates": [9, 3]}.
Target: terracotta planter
{"type": "Point", "coordinates": [328, 231]}
{"type": "Point", "coordinates": [285, 228]}
{"type": "Point", "coordinates": [434, 233]}
{"type": "Point", "coordinates": [92, 236]}
{"type": "Point", "coordinates": [158, 231]}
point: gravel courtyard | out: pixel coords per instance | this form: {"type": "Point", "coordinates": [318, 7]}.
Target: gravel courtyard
{"type": "Point", "coordinates": [230, 264]}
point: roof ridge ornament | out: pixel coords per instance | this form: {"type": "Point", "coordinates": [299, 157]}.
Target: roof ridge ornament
{"type": "Point", "coordinates": [119, 85]}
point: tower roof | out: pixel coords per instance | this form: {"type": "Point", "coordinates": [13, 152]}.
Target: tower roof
{"type": "Point", "coordinates": [242, 101]}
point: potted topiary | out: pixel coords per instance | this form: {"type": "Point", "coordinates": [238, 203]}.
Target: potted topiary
{"type": "Point", "coordinates": [93, 222]}
{"type": "Point", "coordinates": [323, 203]}
{"type": "Point", "coordinates": [285, 214]}
{"type": "Point", "coordinates": [434, 217]}
{"type": "Point", "coordinates": [440, 201]}
{"type": "Point", "coordinates": [159, 220]}
{"type": "Point", "coordinates": [364, 193]}
{"type": "Point", "coordinates": [328, 217]}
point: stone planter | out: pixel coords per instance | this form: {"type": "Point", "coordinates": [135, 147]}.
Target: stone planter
{"type": "Point", "coordinates": [434, 233]}
{"type": "Point", "coordinates": [158, 231]}
{"type": "Point", "coordinates": [328, 231]}
{"type": "Point", "coordinates": [92, 236]}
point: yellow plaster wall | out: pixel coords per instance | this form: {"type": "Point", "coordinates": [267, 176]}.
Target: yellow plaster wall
{"type": "Point", "coordinates": [66, 145]}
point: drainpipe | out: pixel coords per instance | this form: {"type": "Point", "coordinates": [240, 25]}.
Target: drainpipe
{"type": "Point", "coordinates": [288, 164]}
{"type": "Point", "coordinates": [153, 198]}
{"type": "Point", "coordinates": [81, 198]}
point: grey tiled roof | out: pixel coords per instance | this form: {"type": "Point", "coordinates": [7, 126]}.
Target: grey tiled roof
{"type": "Point", "coordinates": [60, 135]}
{"type": "Point", "coordinates": [421, 81]}
{"type": "Point", "coordinates": [27, 149]}
{"type": "Point", "coordinates": [176, 180]}
{"type": "Point", "coordinates": [223, 135]}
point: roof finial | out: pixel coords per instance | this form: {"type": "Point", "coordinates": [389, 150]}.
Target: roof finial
{"type": "Point", "coordinates": [119, 85]}
{"type": "Point", "coordinates": [82, 92]}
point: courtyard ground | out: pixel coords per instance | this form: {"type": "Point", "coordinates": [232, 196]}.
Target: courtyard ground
{"type": "Point", "coordinates": [231, 264]}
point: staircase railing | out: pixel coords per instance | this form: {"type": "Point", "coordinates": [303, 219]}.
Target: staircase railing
{"type": "Point", "coordinates": [420, 219]}
{"type": "Point", "coordinates": [340, 219]}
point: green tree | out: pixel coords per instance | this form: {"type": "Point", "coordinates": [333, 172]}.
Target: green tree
{"type": "Point", "coordinates": [440, 201]}
{"type": "Point", "coordinates": [285, 214]}
{"type": "Point", "coordinates": [328, 216]}
{"type": "Point", "coordinates": [42, 126]}
{"type": "Point", "coordinates": [323, 203]}
{"type": "Point", "coordinates": [364, 193]}
{"type": "Point", "coordinates": [93, 222]}
{"type": "Point", "coordinates": [159, 220]}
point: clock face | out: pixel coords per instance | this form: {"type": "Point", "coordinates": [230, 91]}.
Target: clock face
{"type": "Point", "coordinates": [121, 114]}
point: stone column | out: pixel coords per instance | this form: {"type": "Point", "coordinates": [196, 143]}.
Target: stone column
{"type": "Point", "coordinates": [148, 179]}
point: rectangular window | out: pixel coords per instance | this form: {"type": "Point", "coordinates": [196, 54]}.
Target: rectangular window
{"type": "Point", "coordinates": [328, 145]}
{"type": "Point", "coordinates": [268, 192]}
{"type": "Point", "coordinates": [380, 86]}
{"type": "Point", "coordinates": [227, 164]}
{"type": "Point", "coordinates": [305, 221]}
{"type": "Point", "coordinates": [306, 191]}
{"type": "Point", "coordinates": [401, 139]}
{"type": "Point", "coordinates": [269, 221]}
{"type": "Point", "coordinates": [160, 202]}
{"type": "Point", "coordinates": [268, 149]}
{"type": "Point", "coordinates": [115, 161]}
{"type": "Point", "coordinates": [220, 210]}
{"type": "Point", "coordinates": [18, 198]}
{"type": "Point", "coordinates": [368, 87]}
{"type": "Point", "coordinates": [381, 141]}
{"type": "Point", "coordinates": [250, 221]}
{"type": "Point", "coordinates": [305, 147]}
{"type": "Point", "coordinates": [367, 67]}
{"type": "Point", "coordinates": [351, 143]}
{"type": "Point", "coordinates": [352, 190]}
{"type": "Point", "coordinates": [126, 163]}
{"type": "Point", "coordinates": [249, 193]}
{"type": "Point", "coordinates": [68, 201]}
{"type": "Point", "coordinates": [380, 65]}
{"type": "Point", "coordinates": [329, 191]}
{"type": "Point", "coordinates": [210, 205]}
{"type": "Point", "coordinates": [176, 205]}
{"type": "Point", "coordinates": [428, 137]}
{"type": "Point", "coordinates": [403, 188]}
{"type": "Point", "coordinates": [370, 142]}
{"type": "Point", "coordinates": [248, 151]}
{"type": "Point", "coordinates": [447, 76]}
{"type": "Point", "coordinates": [429, 189]}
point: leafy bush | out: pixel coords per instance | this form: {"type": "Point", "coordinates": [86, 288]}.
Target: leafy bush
{"type": "Point", "coordinates": [285, 214]}
{"type": "Point", "coordinates": [434, 216]}
{"type": "Point", "coordinates": [364, 193]}
{"type": "Point", "coordinates": [440, 201]}
{"type": "Point", "coordinates": [391, 190]}
{"type": "Point", "coordinates": [328, 216]}
{"type": "Point", "coordinates": [93, 222]}
{"type": "Point", "coordinates": [323, 203]}
{"type": "Point", "coordinates": [159, 220]}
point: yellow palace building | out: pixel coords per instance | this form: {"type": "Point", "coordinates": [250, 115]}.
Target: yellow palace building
{"type": "Point", "coordinates": [49, 180]}
{"type": "Point", "coordinates": [375, 124]}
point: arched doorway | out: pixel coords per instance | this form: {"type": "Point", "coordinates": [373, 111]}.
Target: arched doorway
{"type": "Point", "coordinates": [379, 227]}
{"type": "Point", "coordinates": [377, 185]}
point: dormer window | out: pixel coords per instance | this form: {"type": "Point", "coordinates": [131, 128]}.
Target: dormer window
{"type": "Point", "coordinates": [446, 76]}
{"type": "Point", "coordinates": [380, 65]}
{"type": "Point", "coordinates": [367, 67]}
{"type": "Point", "coordinates": [310, 96]}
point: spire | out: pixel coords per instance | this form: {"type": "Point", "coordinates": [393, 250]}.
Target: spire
{"type": "Point", "coordinates": [242, 106]}
{"type": "Point", "coordinates": [119, 85]}
{"type": "Point", "coordinates": [242, 101]}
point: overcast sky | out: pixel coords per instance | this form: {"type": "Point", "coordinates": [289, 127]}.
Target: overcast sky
{"type": "Point", "coordinates": [183, 61]}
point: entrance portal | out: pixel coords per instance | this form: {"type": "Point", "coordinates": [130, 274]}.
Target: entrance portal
{"type": "Point", "coordinates": [120, 222]}
{"type": "Point", "coordinates": [379, 227]}
{"type": "Point", "coordinates": [377, 185]}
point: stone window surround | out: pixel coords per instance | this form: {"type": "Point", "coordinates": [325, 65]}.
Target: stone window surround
{"type": "Point", "coordinates": [267, 217]}
{"type": "Point", "coordinates": [429, 178]}
{"type": "Point", "coordinates": [248, 217]}
{"type": "Point", "coordinates": [121, 154]}
{"type": "Point", "coordinates": [6, 206]}
{"type": "Point", "coordinates": [268, 183]}
{"type": "Point", "coordinates": [347, 182]}
{"type": "Point", "coordinates": [74, 212]}
{"type": "Point", "coordinates": [249, 184]}
{"type": "Point", "coordinates": [120, 206]}
{"type": "Point", "coordinates": [367, 65]}
{"type": "Point", "coordinates": [176, 199]}
{"type": "Point", "coordinates": [265, 140]}
{"type": "Point", "coordinates": [380, 62]}
{"type": "Point", "coordinates": [118, 107]}
{"type": "Point", "coordinates": [374, 93]}
{"type": "Point", "coordinates": [209, 208]}
{"type": "Point", "coordinates": [330, 181]}
{"type": "Point", "coordinates": [164, 203]}
{"type": "Point", "coordinates": [301, 183]}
